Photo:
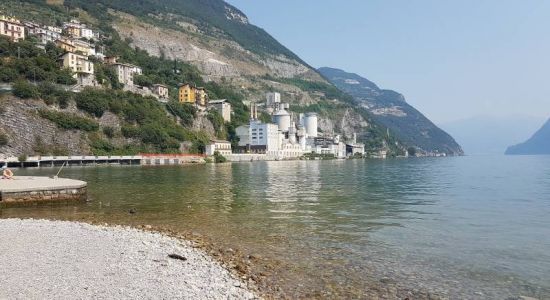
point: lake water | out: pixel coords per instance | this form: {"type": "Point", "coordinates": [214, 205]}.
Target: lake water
{"type": "Point", "coordinates": [464, 227]}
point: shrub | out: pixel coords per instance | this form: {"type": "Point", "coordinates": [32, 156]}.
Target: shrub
{"type": "Point", "coordinates": [218, 158]}
{"type": "Point", "coordinates": [109, 131]}
{"type": "Point", "coordinates": [93, 102]}
{"type": "Point", "coordinates": [68, 121]}
{"type": "Point", "coordinates": [25, 90]}
{"type": "Point", "coordinates": [218, 123]}
{"type": "Point", "coordinates": [185, 111]}
{"type": "Point", "coordinates": [3, 139]}
{"type": "Point", "coordinates": [129, 131]}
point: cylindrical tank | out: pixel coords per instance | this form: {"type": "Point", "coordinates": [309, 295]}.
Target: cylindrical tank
{"type": "Point", "coordinates": [301, 120]}
{"type": "Point", "coordinates": [282, 119]}
{"type": "Point", "coordinates": [311, 124]}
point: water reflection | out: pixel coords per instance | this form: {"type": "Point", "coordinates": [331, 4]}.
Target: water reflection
{"type": "Point", "coordinates": [346, 223]}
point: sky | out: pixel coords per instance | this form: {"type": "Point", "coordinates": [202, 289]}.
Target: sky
{"type": "Point", "coordinates": [452, 60]}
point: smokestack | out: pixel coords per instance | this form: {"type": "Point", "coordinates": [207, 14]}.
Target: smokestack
{"type": "Point", "coordinates": [255, 112]}
{"type": "Point", "coordinates": [252, 111]}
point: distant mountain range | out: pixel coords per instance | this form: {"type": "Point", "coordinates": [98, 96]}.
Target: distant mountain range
{"type": "Point", "coordinates": [539, 143]}
{"type": "Point", "coordinates": [390, 109]}
{"type": "Point", "coordinates": [491, 135]}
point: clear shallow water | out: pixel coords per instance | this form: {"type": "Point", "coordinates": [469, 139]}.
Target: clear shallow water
{"type": "Point", "coordinates": [466, 227]}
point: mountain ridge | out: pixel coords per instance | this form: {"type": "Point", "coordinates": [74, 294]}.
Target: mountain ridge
{"type": "Point", "coordinates": [538, 144]}
{"type": "Point", "coordinates": [391, 109]}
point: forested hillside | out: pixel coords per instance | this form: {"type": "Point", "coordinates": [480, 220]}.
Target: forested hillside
{"type": "Point", "coordinates": [209, 43]}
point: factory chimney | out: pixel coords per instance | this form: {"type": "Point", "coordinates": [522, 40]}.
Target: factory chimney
{"type": "Point", "coordinates": [253, 111]}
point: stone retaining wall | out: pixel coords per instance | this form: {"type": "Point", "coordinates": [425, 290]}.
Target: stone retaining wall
{"type": "Point", "coordinates": [57, 196]}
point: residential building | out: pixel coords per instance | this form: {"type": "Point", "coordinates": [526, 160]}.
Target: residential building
{"type": "Point", "coordinates": [161, 91]}
{"type": "Point", "coordinates": [201, 96]}
{"type": "Point", "coordinates": [110, 60]}
{"type": "Point", "coordinates": [86, 33]}
{"type": "Point", "coordinates": [188, 93]}
{"type": "Point", "coordinates": [73, 31]}
{"type": "Point", "coordinates": [126, 73]}
{"type": "Point", "coordinates": [12, 28]}
{"type": "Point", "coordinates": [54, 29]}
{"type": "Point", "coordinates": [77, 63]}
{"type": "Point", "coordinates": [66, 44]}
{"type": "Point", "coordinates": [83, 47]}
{"type": "Point", "coordinates": [73, 28]}
{"type": "Point", "coordinates": [222, 147]}
{"type": "Point", "coordinates": [47, 37]}
{"type": "Point", "coordinates": [222, 107]}
{"type": "Point", "coordinates": [82, 68]}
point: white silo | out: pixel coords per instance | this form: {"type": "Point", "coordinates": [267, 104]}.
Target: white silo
{"type": "Point", "coordinates": [282, 119]}
{"type": "Point", "coordinates": [311, 124]}
{"type": "Point", "coordinates": [301, 120]}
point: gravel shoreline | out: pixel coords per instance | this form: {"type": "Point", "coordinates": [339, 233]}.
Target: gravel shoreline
{"type": "Point", "coordinates": [41, 259]}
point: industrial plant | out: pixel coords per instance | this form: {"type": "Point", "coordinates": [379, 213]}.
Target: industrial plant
{"type": "Point", "coordinates": [290, 135]}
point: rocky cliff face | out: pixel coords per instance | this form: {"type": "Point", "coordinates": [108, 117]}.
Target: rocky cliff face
{"type": "Point", "coordinates": [26, 130]}
{"type": "Point", "coordinates": [215, 54]}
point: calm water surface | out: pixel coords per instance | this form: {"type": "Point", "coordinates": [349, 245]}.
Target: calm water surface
{"type": "Point", "coordinates": [467, 227]}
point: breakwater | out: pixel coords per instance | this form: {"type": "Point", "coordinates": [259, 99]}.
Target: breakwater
{"type": "Point", "coordinates": [27, 190]}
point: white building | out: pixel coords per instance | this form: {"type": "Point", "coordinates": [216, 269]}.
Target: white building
{"type": "Point", "coordinates": [126, 73]}
{"type": "Point", "coordinates": [354, 148]}
{"type": "Point", "coordinates": [161, 91]}
{"type": "Point", "coordinates": [272, 98]}
{"type": "Point", "coordinates": [222, 147]}
{"type": "Point", "coordinates": [12, 28]}
{"type": "Point", "coordinates": [55, 29]}
{"type": "Point", "coordinates": [86, 33]}
{"type": "Point", "coordinates": [258, 137]}
{"type": "Point", "coordinates": [47, 37]}
{"type": "Point", "coordinates": [223, 107]}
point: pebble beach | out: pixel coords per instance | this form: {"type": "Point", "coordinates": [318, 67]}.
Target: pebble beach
{"type": "Point", "coordinates": [43, 259]}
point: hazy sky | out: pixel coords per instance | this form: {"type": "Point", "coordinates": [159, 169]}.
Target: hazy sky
{"type": "Point", "coordinates": [451, 59]}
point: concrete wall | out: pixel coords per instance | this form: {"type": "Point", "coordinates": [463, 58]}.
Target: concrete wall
{"type": "Point", "coordinates": [59, 196]}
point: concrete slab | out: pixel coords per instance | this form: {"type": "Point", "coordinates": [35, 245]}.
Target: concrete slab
{"type": "Point", "coordinates": [32, 184]}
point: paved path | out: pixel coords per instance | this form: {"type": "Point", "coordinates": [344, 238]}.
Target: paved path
{"type": "Point", "coordinates": [29, 184]}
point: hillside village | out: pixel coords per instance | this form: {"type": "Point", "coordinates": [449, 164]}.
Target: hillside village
{"type": "Point", "coordinates": [281, 135]}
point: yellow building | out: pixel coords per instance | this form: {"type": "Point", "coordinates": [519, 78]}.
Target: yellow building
{"type": "Point", "coordinates": [66, 45]}
{"type": "Point", "coordinates": [187, 93]}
